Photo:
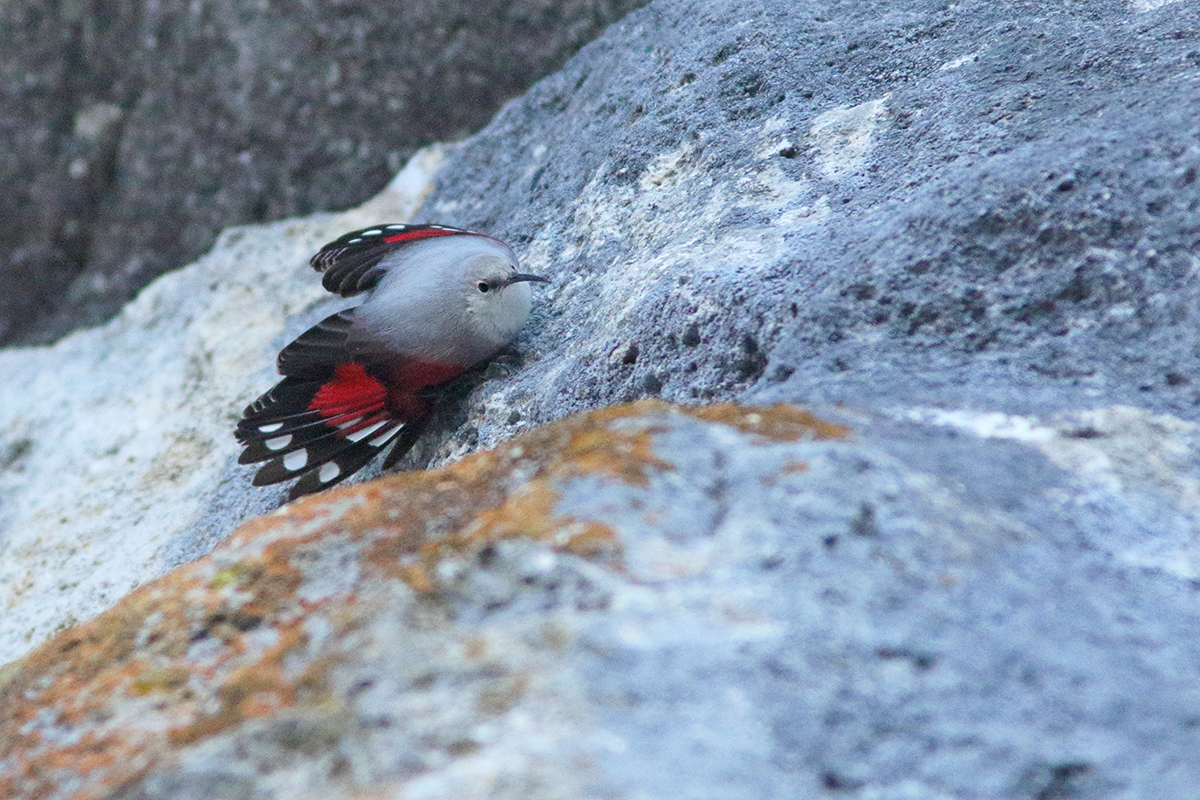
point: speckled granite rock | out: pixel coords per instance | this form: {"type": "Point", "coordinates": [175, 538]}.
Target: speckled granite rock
{"type": "Point", "coordinates": [973, 204]}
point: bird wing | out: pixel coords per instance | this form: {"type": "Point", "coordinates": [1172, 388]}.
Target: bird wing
{"type": "Point", "coordinates": [344, 397]}
{"type": "Point", "coordinates": [332, 341]}
{"type": "Point", "coordinates": [329, 415]}
{"type": "Point", "coordinates": [350, 263]}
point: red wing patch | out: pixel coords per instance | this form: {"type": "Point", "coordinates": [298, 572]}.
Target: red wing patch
{"type": "Point", "coordinates": [410, 378]}
{"type": "Point", "coordinates": [351, 389]}
{"type": "Point", "coordinates": [420, 233]}
{"type": "Point", "coordinates": [323, 431]}
{"type": "Point", "coordinates": [416, 375]}
{"type": "Point", "coordinates": [320, 432]}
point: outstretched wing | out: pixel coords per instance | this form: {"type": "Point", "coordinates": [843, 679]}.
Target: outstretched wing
{"type": "Point", "coordinates": [350, 263]}
{"type": "Point", "coordinates": [330, 414]}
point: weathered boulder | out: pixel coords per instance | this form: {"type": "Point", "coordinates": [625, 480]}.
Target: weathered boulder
{"type": "Point", "coordinates": [968, 233]}
{"type": "Point", "coordinates": [648, 601]}
{"type": "Point", "coordinates": [974, 204]}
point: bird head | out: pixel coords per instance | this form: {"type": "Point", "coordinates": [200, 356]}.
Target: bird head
{"type": "Point", "coordinates": [498, 295]}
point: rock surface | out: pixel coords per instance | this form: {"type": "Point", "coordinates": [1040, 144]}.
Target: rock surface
{"type": "Point", "coordinates": [134, 132]}
{"type": "Point", "coordinates": [968, 233]}
{"type": "Point", "coordinates": [645, 601]}
{"type": "Point", "coordinates": [969, 204]}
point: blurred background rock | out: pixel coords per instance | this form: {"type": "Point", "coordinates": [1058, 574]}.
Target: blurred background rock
{"type": "Point", "coordinates": [133, 132]}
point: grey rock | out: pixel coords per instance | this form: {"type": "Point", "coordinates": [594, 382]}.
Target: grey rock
{"type": "Point", "coordinates": [778, 609]}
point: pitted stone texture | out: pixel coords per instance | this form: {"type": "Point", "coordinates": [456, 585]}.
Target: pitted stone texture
{"type": "Point", "coordinates": [972, 204]}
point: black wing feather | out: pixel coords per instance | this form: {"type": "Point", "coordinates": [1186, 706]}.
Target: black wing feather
{"type": "Point", "coordinates": [316, 352]}
{"type": "Point", "coordinates": [332, 341]}
{"type": "Point", "coordinates": [350, 262]}
{"type": "Point", "coordinates": [311, 437]}
{"type": "Point", "coordinates": [349, 461]}
{"type": "Point", "coordinates": [405, 441]}
{"type": "Point", "coordinates": [289, 393]}
{"type": "Point", "coordinates": [329, 449]}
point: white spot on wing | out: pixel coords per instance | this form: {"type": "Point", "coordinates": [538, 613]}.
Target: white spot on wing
{"type": "Point", "coordinates": [380, 441]}
{"type": "Point", "coordinates": [274, 426]}
{"type": "Point", "coordinates": [358, 436]}
{"type": "Point", "coordinates": [279, 442]}
{"type": "Point", "coordinates": [371, 233]}
{"type": "Point", "coordinates": [295, 460]}
{"type": "Point", "coordinates": [329, 471]}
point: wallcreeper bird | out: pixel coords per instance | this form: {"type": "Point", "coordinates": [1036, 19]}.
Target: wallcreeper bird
{"type": "Point", "coordinates": [438, 301]}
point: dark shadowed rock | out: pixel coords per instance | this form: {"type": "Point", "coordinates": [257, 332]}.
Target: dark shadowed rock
{"type": "Point", "coordinates": [133, 133]}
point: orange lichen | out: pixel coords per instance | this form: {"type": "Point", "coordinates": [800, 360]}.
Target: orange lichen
{"type": "Point", "coordinates": [247, 690]}
{"type": "Point", "coordinates": [503, 694]}
{"type": "Point", "coordinates": [592, 540]}
{"type": "Point", "coordinates": [158, 680]}
{"type": "Point", "coordinates": [528, 513]}
{"type": "Point", "coordinates": [779, 423]}
{"type": "Point", "coordinates": [622, 455]}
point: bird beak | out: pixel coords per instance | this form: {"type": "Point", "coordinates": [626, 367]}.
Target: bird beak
{"type": "Point", "coordinates": [522, 276]}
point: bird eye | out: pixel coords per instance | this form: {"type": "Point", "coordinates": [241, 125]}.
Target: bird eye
{"type": "Point", "coordinates": [483, 287]}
